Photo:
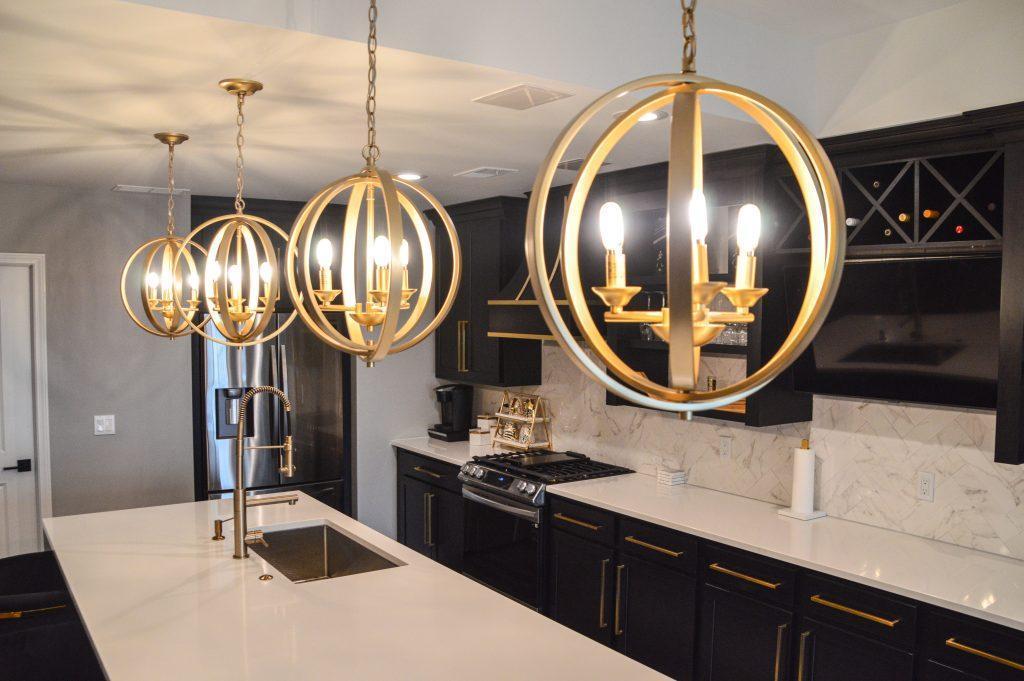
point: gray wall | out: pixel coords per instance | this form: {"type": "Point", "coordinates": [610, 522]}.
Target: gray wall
{"type": "Point", "coordinates": [393, 399]}
{"type": "Point", "coordinates": [99, 362]}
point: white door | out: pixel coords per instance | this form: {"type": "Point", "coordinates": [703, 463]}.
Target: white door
{"type": "Point", "coordinates": [19, 510]}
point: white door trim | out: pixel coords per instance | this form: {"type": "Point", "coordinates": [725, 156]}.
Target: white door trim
{"type": "Point", "coordinates": [36, 264]}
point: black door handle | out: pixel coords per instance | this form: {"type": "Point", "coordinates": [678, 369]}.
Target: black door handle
{"type": "Point", "coordinates": [24, 466]}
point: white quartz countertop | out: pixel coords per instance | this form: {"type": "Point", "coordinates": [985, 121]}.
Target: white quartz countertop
{"type": "Point", "coordinates": [975, 583]}
{"type": "Point", "coordinates": [162, 601]}
{"type": "Point", "coordinates": [456, 453]}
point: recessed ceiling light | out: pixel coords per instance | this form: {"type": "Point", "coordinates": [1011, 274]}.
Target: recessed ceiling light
{"type": "Point", "coordinates": [410, 177]}
{"type": "Point", "coordinates": [648, 117]}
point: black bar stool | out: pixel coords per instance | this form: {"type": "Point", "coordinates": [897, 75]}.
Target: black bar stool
{"type": "Point", "coordinates": [41, 634]}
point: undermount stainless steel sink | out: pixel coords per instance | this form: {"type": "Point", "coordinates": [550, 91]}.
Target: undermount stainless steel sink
{"type": "Point", "coordinates": [312, 552]}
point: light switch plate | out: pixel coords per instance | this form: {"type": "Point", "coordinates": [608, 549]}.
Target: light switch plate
{"type": "Point", "coordinates": [724, 447]}
{"type": "Point", "coordinates": [103, 425]}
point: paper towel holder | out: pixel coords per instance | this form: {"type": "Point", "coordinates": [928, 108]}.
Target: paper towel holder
{"type": "Point", "coordinates": [793, 511]}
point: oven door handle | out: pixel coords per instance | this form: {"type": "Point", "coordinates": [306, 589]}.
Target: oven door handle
{"type": "Point", "coordinates": [526, 514]}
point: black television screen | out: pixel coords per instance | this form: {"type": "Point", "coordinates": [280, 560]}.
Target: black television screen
{"type": "Point", "coordinates": [922, 329]}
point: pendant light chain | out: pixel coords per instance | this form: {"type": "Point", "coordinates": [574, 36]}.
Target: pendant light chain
{"type": "Point", "coordinates": [170, 190]}
{"type": "Point", "coordinates": [371, 152]}
{"type": "Point", "coordinates": [689, 36]}
{"type": "Point", "coordinates": [239, 159]}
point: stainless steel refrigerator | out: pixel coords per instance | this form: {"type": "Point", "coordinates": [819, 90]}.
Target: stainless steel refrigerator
{"type": "Point", "coordinates": [316, 379]}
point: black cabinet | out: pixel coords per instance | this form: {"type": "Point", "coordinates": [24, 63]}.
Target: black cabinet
{"type": "Point", "coordinates": [653, 615]}
{"type": "Point", "coordinates": [634, 596]}
{"type": "Point", "coordinates": [430, 511]}
{"type": "Point", "coordinates": [741, 638]}
{"type": "Point", "coordinates": [580, 597]}
{"type": "Point", "coordinates": [956, 647]}
{"type": "Point", "coordinates": [491, 233]}
{"type": "Point", "coordinates": [826, 653]}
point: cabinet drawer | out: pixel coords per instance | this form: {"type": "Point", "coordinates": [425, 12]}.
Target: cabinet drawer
{"type": "Point", "coordinates": [741, 572]}
{"type": "Point", "coordinates": [857, 608]}
{"type": "Point", "coordinates": [429, 470]}
{"type": "Point", "coordinates": [972, 646]}
{"type": "Point", "coordinates": [585, 521]}
{"type": "Point", "coordinates": [657, 544]}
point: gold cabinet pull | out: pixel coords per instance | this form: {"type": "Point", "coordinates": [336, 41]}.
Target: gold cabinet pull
{"type": "Point", "coordinates": [618, 598]}
{"type": "Point", "coordinates": [602, 623]}
{"type": "Point", "coordinates": [427, 471]}
{"type": "Point", "coordinates": [956, 645]}
{"type": "Point", "coordinates": [780, 634]}
{"type": "Point", "coordinates": [654, 547]}
{"type": "Point", "coordinates": [581, 523]}
{"type": "Point", "coordinates": [462, 347]}
{"type": "Point", "coordinates": [853, 611]}
{"type": "Point", "coordinates": [17, 614]}
{"type": "Point", "coordinates": [802, 659]}
{"type": "Point", "coordinates": [428, 519]}
{"type": "Point", "coordinates": [746, 578]}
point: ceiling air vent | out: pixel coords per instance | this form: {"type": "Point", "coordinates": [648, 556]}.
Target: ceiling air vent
{"type": "Point", "coordinates": [522, 96]}
{"type": "Point", "coordinates": [575, 164]}
{"type": "Point", "coordinates": [484, 172]}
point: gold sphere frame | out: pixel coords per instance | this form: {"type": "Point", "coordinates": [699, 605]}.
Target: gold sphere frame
{"type": "Point", "coordinates": [395, 204]}
{"type": "Point", "coordinates": [819, 188]}
{"type": "Point", "coordinates": [179, 323]}
{"type": "Point", "coordinates": [253, 230]}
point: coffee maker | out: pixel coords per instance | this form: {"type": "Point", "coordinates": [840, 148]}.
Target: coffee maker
{"type": "Point", "coordinates": [456, 402]}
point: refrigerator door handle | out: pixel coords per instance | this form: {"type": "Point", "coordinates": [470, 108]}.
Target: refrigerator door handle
{"type": "Point", "coordinates": [285, 384]}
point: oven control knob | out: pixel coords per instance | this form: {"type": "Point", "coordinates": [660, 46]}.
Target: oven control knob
{"type": "Point", "coordinates": [478, 472]}
{"type": "Point", "coordinates": [521, 486]}
{"type": "Point", "coordinates": [531, 488]}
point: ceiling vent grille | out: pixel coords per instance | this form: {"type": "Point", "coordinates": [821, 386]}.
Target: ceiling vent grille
{"type": "Point", "coordinates": [522, 96]}
{"type": "Point", "coordinates": [484, 172]}
{"type": "Point", "coordinates": [575, 164]}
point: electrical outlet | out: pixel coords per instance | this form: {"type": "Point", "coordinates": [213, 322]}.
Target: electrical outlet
{"type": "Point", "coordinates": [724, 447]}
{"type": "Point", "coordinates": [926, 486]}
{"type": "Point", "coordinates": [103, 425]}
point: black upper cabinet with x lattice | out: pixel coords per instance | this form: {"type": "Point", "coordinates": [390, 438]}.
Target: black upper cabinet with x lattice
{"type": "Point", "coordinates": [949, 186]}
{"type": "Point", "coordinates": [950, 202]}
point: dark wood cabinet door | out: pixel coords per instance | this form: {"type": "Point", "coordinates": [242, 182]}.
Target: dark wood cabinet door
{"type": "Point", "coordinates": [653, 616]}
{"type": "Point", "coordinates": [446, 511]}
{"type": "Point", "coordinates": [419, 500]}
{"type": "Point", "coordinates": [741, 639]}
{"type": "Point", "coordinates": [582, 574]}
{"type": "Point", "coordinates": [449, 336]}
{"type": "Point", "coordinates": [826, 653]}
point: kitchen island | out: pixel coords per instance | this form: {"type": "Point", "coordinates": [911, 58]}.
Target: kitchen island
{"type": "Point", "coordinates": [160, 600]}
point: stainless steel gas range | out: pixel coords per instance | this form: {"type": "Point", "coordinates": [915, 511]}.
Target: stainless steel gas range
{"type": "Point", "coordinates": [505, 517]}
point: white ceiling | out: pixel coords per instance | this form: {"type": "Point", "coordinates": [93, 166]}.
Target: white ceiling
{"type": "Point", "coordinates": [86, 83]}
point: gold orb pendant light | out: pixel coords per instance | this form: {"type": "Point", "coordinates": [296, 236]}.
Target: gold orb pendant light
{"type": "Point", "coordinates": [688, 322]}
{"type": "Point", "coordinates": [241, 278]}
{"type": "Point", "coordinates": [166, 269]}
{"type": "Point", "coordinates": [382, 313]}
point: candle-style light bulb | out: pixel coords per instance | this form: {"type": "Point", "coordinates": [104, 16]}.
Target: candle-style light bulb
{"type": "Point", "coordinates": [748, 228]}
{"type": "Point", "coordinates": [613, 235]}
{"type": "Point", "coordinates": [612, 226]}
{"type": "Point", "coordinates": [235, 276]}
{"type": "Point", "coordinates": [213, 270]}
{"type": "Point", "coordinates": [748, 233]}
{"type": "Point", "coordinates": [698, 216]}
{"type": "Point", "coordinates": [403, 253]}
{"type": "Point", "coordinates": [381, 251]}
{"type": "Point", "coordinates": [266, 272]}
{"type": "Point", "coordinates": [193, 283]}
{"type": "Point", "coordinates": [152, 281]}
{"type": "Point", "coordinates": [324, 253]}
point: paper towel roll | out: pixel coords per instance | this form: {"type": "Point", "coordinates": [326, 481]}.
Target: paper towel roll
{"type": "Point", "coordinates": [803, 480]}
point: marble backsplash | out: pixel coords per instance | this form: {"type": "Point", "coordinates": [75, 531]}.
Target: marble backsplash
{"type": "Point", "coordinates": [869, 456]}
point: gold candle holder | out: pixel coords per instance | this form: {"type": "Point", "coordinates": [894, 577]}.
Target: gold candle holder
{"type": "Point", "coordinates": [746, 268]}
{"type": "Point", "coordinates": [700, 262]}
